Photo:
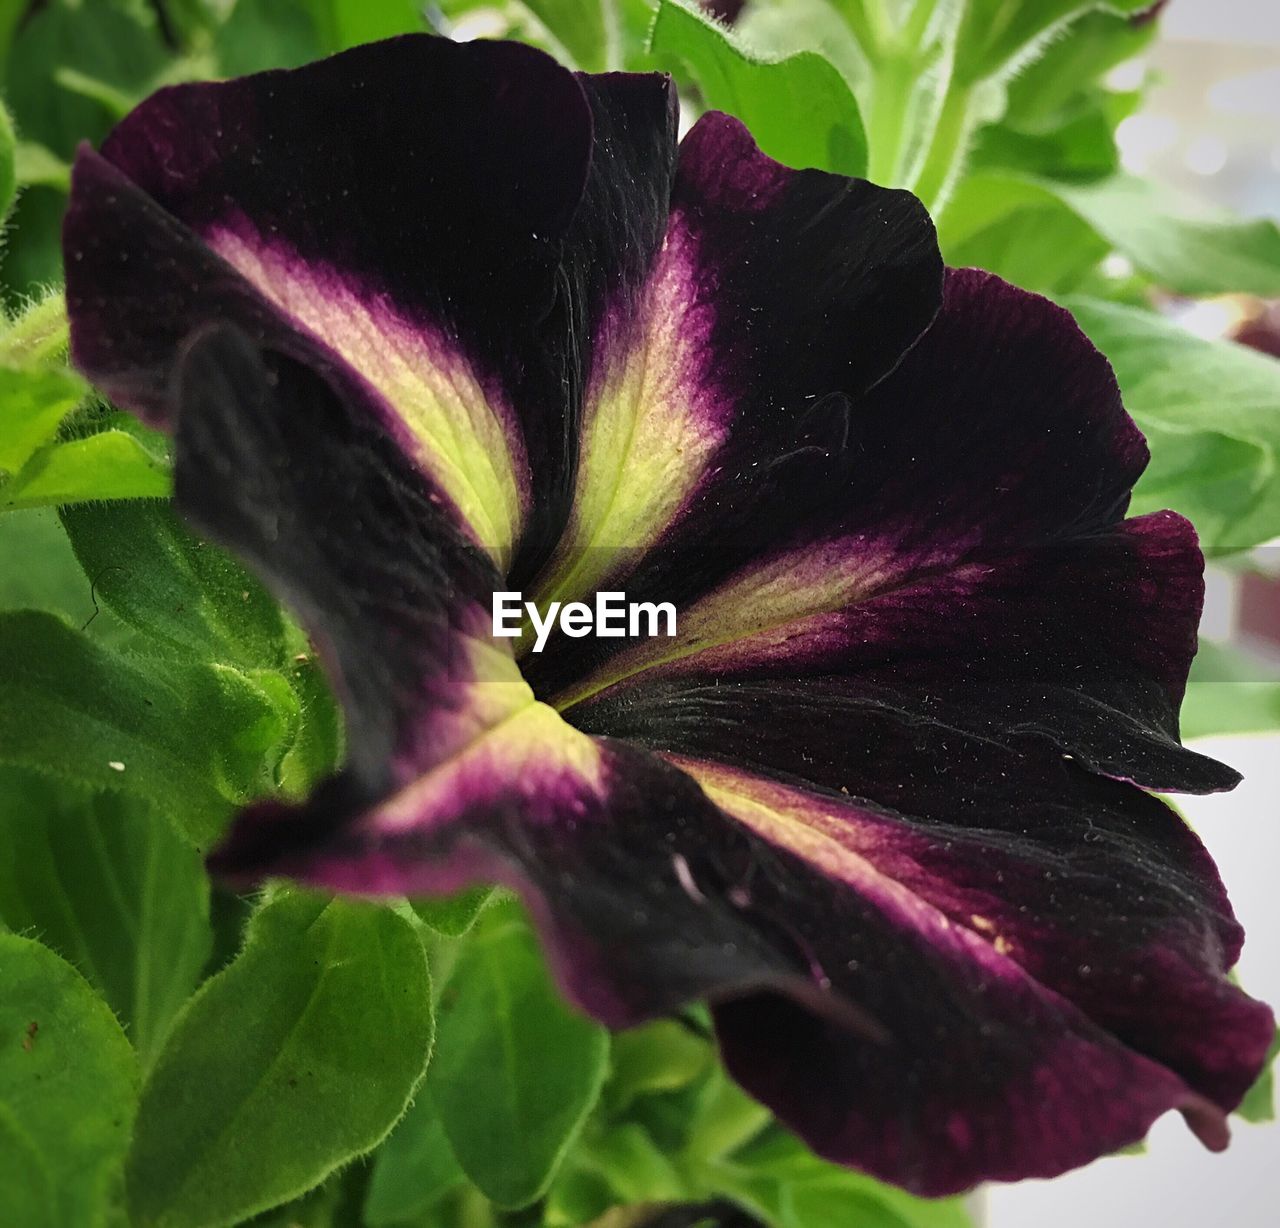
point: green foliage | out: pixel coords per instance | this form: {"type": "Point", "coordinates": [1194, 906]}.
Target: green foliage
{"type": "Point", "coordinates": [112, 888]}
{"type": "Point", "coordinates": [185, 595]}
{"type": "Point", "coordinates": [517, 1069]}
{"type": "Point", "coordinates": [1260, 1104]}
{"type": "Point", "coordinates": [1209, 409]}
{"type": "Point", "coordinates": [34, 404]}
{"type": "Point", "coordinates": [779, 1178]}
{"type": "Point", "coordinates": [453, 915]}
{"type": "Point", "coordinates": [150, 685]}
{"type": "Point", "coordinates": [68, 1089]}
{"type": "Point", "coordinates": [8, 169]}
{"type": "Point", "coordinates": [191, 738]}
{"type": "Point", "coordinates": [1179, 245]}
{"type": "Point", "coordinates": [799, 108]}
{"type": "Point", "coordinates": [1230, 691]}
{"type": "Point", "coordinates": [414, 1170]}
{"type": "Point", "coordinates": [300, 1055]}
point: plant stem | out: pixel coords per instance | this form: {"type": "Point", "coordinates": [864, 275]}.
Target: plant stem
{"type": "Point", "coordinates": [947, 147]}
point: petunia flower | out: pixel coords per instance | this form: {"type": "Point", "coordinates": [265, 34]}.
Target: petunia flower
{"type": "Point", "coordinates": [433, 321]}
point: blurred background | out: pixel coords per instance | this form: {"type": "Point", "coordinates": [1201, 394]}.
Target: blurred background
{"type": "Point", "coordinates": [1210, 127]}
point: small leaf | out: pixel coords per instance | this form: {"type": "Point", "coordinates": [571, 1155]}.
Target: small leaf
{"type": "Point", "coordinates": [996, 34]}
{"type": "Point", "coordinates": [1180, 245]}
{"type": "Point", "coordinates": [1184, 246]}
{"type": "Point", "coordinates": [1259, 1105]}
{"type": "Point", "coordinates": [299, 1056]}
{"type": "Point", "coordinates": [1211, 410]}
{"type": "Point", "coordinates": [414, 1168]}
{"type": "Point", "coordinates": [452, 915]}
{"type": "Point", "coordinates": [68, 1090]}
{"type": "Point", "coordinates": [183, 593]}
{"type": "Point", "coordinates": [800, 109]}
{"type": "Point", "coordinates": [112, 464]}
{"type": "Point", "coordinates": [110, 887]}
{"type": "Point", "coordinates": [781, 1179]}
{"type": "Point", "coordinates": [586, 29]}
{"type": "Point", "coordinates": [188, 738]}
{"type": "Point", "coordinates": [516, 1070]}
{"type": "Point", "coordinates": [659, 1057]}
{"type": "Point", "coordinates": [32, 406]}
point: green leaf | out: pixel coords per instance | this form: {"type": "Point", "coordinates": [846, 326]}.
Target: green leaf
{"type": "Point", "coordinates": [659, 1057]}
{"type": "Point", "coordinates": [33, 404]}
{"type": "Point", "coordinates": [183, 593]}
{"type": "Point", "coordinates": [8, 167]}
{"type": "Point", "coordinates": [799, 109]}
{"type": "Point", "coordinates": [36, 336]}
{"type": "Point", "coordinates": [352, 22]}
{"type": "Point", "coordinates": [1044, 92]}
{"type": "Point", "coordinates": [112, 42]}
{"type": "Point", "coordinates": [1230, 690]}
{"type": "Point", "coordinates": [1186, 247]}
{"type": "Point", "coordinates": [1211, 410]}
{"type": "Point", "coordinates": [300, 1055]}
{"type": "Point", "coordinates": [414, 1168]}
{"type": "Point", "coordinates": [112, 464]}
{"type": "Point", "coordinates": [586, 29]}
{"type": "Point", "coordinates": [452, 915]}
{"type": "Point", "coordinates": [1183, 247]}
{"type": "Point", "coordinates": [188, 738]}
{"type": "Point", "coordinates": [68, 1089]}
{"type": "Point", "coordinates": [34, 164]}
{"type": "Point", "coordinates": [32, 260]}
{"type": "Point", "coordinates": [264, 34]}
{"type": "Point", "coordinates": [1259, 1105]}
{"type": "Point", "coordinates": [517, 1070]}
{"type": "Point", "coordinates": [1213, 708]}
{"type": "Point", "coordinates": [781, 1179]}
{"type": "Point", "coordinates": [1043, 247]}
{"type": "Point", "coordinates": [996, 34]}
{"type": "Point", "coordinates": [110, 887]}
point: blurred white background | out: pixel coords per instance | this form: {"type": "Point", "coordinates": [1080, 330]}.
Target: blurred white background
{"type": "Point", "coordinates": [1212, 127]}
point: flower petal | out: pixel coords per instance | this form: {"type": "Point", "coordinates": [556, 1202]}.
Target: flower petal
{"type": "Point", "coordinates": [401, 208]}
{"type": "Point", "coordinates": [956, 540]}
{"type": "Point", "coordinates": [857, 989]}
{"type": "Point", "coordinates": [1099, 891]}
{"type": "Point", "coordinates": [273, 462]}
{"type": "Point", "coordinates": [745, 318]}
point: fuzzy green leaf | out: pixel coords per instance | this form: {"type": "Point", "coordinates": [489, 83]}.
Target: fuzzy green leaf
{"type": "Point", "coordinates": [800, 109]}
{"type": "Point", "coordinates": [517, 1070]}
{"type": "Point", "coordinates": [183, 593]}
{"type": "Point", "coordinates": [189, 738]}
{"type": "Point", "coordinates": [68, 1090]}
{"type": "Point", "coordinates": [32, 406]}
{"type": "Point", "coordinates": [414, 1169]}
{"type": "Point", "coordinates": [300, 1055]}
{"type": "Point", "coordinates": [111, 887]}
{"type": "Point", "coordinates": [111, 464]}
{"type": "Point", "coordinates": [1180, 245]}
{"type": "Point", "coordinates": [452, 915]}
{"type": "Point", "coordinates": [1211, 410]}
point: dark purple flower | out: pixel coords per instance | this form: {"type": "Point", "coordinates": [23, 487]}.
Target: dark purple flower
{"type": "Point", "coordinates": [430, 321]}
